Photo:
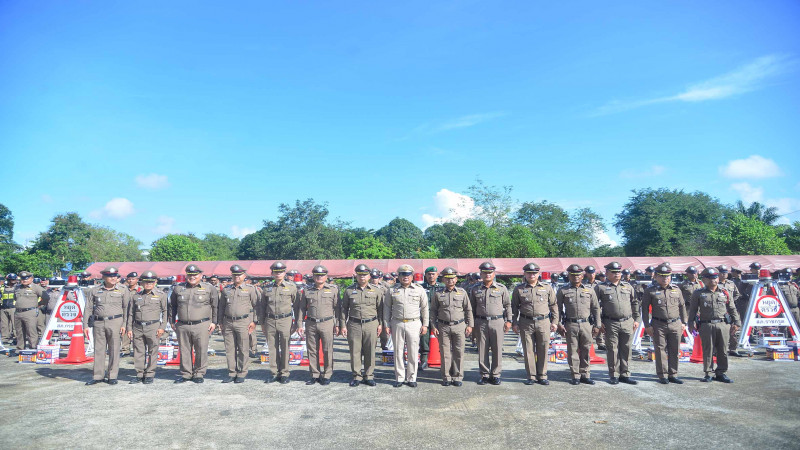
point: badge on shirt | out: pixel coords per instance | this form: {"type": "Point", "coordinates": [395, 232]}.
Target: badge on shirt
{"type": "Point", "coordinates": [659, 301]}
{"type": "Point", "coordinates": [705, 304]}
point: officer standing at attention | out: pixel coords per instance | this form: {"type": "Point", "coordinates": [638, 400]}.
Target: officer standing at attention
{"type": "Point", "coordinates": [590, 280]}
{"type": "Point", "coordinates": [451, 321]}
{"type": "Point", "coordinates": [132, 283]}
{"type": "Point", "coordinates": [690, 284]}
{"type": "Point", "coordinates": [193, 310]}
{"type": "Point", "coordinates": [107, 307]}
{"type": "Point", "coordinates": [148, 311]}
{"type": "Point", "coordinates": [275, 315]}
{"type": "Point", "coordinates": [579, 304]}
{"type": "Point", "coordinates": [319, 302]}
{"type": "Point", "coordinates": [668, 323]}
{"type": "Point", "coordinates": [405, 316]}
{"type": "Point", "coordinates": [491, 305]}
{"type": "Point", "coordinates": [717, 313]}
{"type": "Point", "coordinates": [535, 316]}
{"type": "Point", "coordinates": [8, 308]}
{"type": "Point", "coordinates": [236, 309]}
{"type": "Point", "coordinates": [728, 284]}
{"type": "Point", "coordinates": [27, 297]}
{"type": "Point", "coordinates": [360, 323]}
{"type": "Point", "coordinates": [791, 293]}
{"type": "Point", "coordinates": [620, 314]}
{"type": "Point", "coordinates": [429, 284]}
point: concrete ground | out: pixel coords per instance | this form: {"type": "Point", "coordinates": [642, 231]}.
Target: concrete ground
{"type": "Point", "coordinates": [48, 406]}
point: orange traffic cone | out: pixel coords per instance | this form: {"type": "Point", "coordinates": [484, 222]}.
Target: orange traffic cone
{"type": "Point", "coordinates": [435, 354]}
{"type": "Point", "coordinates": [77, 349]}
{"type": "Point", "coordinates": [697, 351]}
{"type": "Point", "coordinates": [593, 358]}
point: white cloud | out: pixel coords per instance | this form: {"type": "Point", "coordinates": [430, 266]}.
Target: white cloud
{"type": "Point", "coordinates": [748, 194]}
{"type": "Point", "coordinates": [651, 172]}
{"type": "Point", "coordinates": [602, 238]}
{"type": "Point", "coordinates": [744, 79]}
{"type": "Point", "coordinates": [450, 207]}
{"type": "Point", "coordinates": [237, 232]}
{"type": "Point", "coordinates": [152, 181]}
{"type": "Point", "coordinates": [754, 166]}
{"type": "Point", "coordinates": [454, 124]}
{"type": "Point", "coordinates": [165, 224]}
{"type": "Point", "coordinates": [116, 208]}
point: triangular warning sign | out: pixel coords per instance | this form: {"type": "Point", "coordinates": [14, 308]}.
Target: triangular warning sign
{"type": "Point", "coordinates": [767, 308]}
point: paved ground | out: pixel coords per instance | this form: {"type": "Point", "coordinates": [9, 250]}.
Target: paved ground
{"type": "Point", "coordinates": [46, 406]}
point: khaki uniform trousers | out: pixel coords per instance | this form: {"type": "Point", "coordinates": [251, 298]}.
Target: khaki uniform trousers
{"type": "Point", "coordinates": [7, 323]}
{"type": "Point", "coordinates": [25, 324]}
{"type": "Point", "coordinates": [619, 337]}
{"type": "Point", "coordinates": [237, 346]}
{"type": "Point", "coordinates": [451, 347]}
{"type": "Point", "coordinates": [362, 338]}
{"type": "Point", "coordinates": [106, 337]}
{"type": "Point", "coordinates": [406, 334]}
{"type": "Point", "coordinates": [278, 332]}
{"type": "Point", "coordinates": [535, 337]}
{"type": "Point", "coordinates": [41, 323]}
{"type": "Point", "coordinates": [145, 344]}
{"type": "Point", "coordinates": [579, 347]}
{"type": "Point", "coordinates": [490, 337]}
{"type": "Point", "coordinates": [384, 338]}
{"type": "Point", "coordinates": [314, 333]}
{"type": "Point", "coordinates": [125, 345]}
{"type": "Point", "coordinates": [666, 343]}
{"type": "Point", "coordinates": [193, 337]}
{"type": "Point", "coordinates": [714, 336]}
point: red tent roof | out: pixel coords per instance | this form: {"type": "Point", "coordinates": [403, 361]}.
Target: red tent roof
{"type": "Point", "coordinates": [343, 268]}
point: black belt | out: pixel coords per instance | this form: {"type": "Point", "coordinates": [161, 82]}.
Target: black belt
{"type": "Point", "coordinates": [325, 319]}
{"type": "Point", "coordinates": [149, 322]}
{"type": "Point", "coordinates": [712, 321]}
{"type": "Point", "coordinates": [26, 309]}
{"type": "Point", "coordinates": [279, 316]}
{"type": "Point", "coordinates": [490, 317]}
{"type": "Point", "coordinates": [8, 307]}
{"type": "Point", "coordinates": [576, 320]}
{"type": "Point", "coordinates": [668, 320]}
{"type": "Point", "coordinates": [237, 317]}
{"type": "Point", "coordinates": [193, 322]}
{"type": "Point", "coordinates": [621, 319]}
{"type": "Point", "coordinates": [532, 317]}
{"type": "Point", "coordinates": [445, 322]}
{"type": "Point", "coordinates": [362, 321]}
{"type": "Point", "coordinates": [101, 318]}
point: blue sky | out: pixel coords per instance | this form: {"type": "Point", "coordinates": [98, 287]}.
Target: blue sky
{"type": "Point", "coordinates": [156, 117]}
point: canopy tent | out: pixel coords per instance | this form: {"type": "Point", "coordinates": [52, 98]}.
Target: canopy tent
{"type": "Point", "coordinates": [343, 268]}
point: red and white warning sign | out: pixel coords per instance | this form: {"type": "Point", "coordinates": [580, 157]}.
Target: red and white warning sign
{"type": "Point", "coordinates": [767, 308]}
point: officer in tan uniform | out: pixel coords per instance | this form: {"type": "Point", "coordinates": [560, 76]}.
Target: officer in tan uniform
{"type": "Point", "coordinates": [535, 316]}
{"type": "Point", "coordinates": [107, 308]}
{"type": "Point", "coordinates": [690, 284]}
{"type": "Point", "coordinates": [578, 304]}
{"type": "Point", "coordinates": [318, 305]}
{"type": "Point", "coordinates": [405, 316]}
{"type": "Point", "coordinates": [360, 323]}
{"type": "Point", "coordinates": [726, 283]}
{"type": "Point", "coordinates": [193, 311]}
{"type": "Point", "coordinates": [451, 321]}
{"type": "Point", "coordinates": [713, 303]}
{"type": "Point", "coordinates": [791, 293]}
{"type": "Point", "coordinates": [275, 315]}
{"type": "Point", "coordinates": [8, 308]}
{"type": "Point", "coordinates": [491, 305]}
{"type": "Point", "coordinates": [237, 311]}
{"type": "Point", "coordinates": [620, 315]}
{"type": "Point", "coordinates": [148, 313]}
{"type": "Point", "coordinates": [132, 283]}
{"type": "Point", "coordinates": [666, 323]}
{"type": "Point", "coordinates": [28, 298]}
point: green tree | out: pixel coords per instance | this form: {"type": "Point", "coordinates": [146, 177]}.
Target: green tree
{"type": "Point", "coordinates": [66, 240]}
{"type": "Point", "coordinates": [559, 233]}
{"type": "Point", "coordinates": [219, 247]}
{"type": "Point", "coordinates": [370, 247]}
{"type": "Point", "coordinates": [105, 244]}
{"type": "Point", "coordinates": [790, 234]}
{"type": "Point", "coordinates": [517, 241]}
{"type": "Point", "coordinates": [473, 239]}
{"type": "Point", "coordinates": [40, 264]}
{"type": "Point", "coordinates": [6, 226]}
{"type": "Point", "coordinates": [758, 211]}
{"type": "Point", "coordinates": [747, 235]}
{"type": "Point", "coordinates": [669, 223]}
{"type": "Point", "coordinates": [607, 251]}
{"type": "Point", "coordinates": [176, 247]}
{"type": "Point", "coordinates": [493, 204]}
{"type": "Point", "coordinates": [402, 236]}
{"type": "Point", "coordinates": [439, 235]}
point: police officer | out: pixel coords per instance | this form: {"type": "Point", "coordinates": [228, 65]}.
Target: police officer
{"type": "Point", "coordinates": [429, 284]}
{"type": "Point", "coordinates": [666, 324]}
{"type": "Point", "coordinates": [626, 276]}
{"type": "Point", "coordinates": [491, 305]}
{"type": "Point", "coordinates": [791, 293]}
{"type": "Point", "coordinates": [8, 308]}
{"type": "Point", "coordinates": [28, 297]}
{"type": "Point", "coordinates": [405, 315]}
{"type": "Point", "coordinates": [728, 284]}
{"type": "Point", "coordinates": [690, 284]}
{"type": "Point", "coordinates": [275, 315]}
{"type": "Point", "coordinates": [132, 283]}
{"type": "Point", "coordinates": [579, 304]}
{"type": "Point", "coordinates": [451, 321]}
{"type": "Point", "coordinates": [717, 313]}
{"type": "Point", "coordinates": [620, 314]}
{"type": "Point", "coordinates": [236, 311]}
{"type": "Point", "coordinates": [148, 313]}
{"type": "Point", "coordinates": [41, 319]}
{"type": "Point", "coordinates": [107, 308]}
{"type": "Point", "coordinates": [253, 337]}
{"type": "Point", "coordinates": [639, 284]}
{"type": "Point", "coordinates": [318, 305]}
{"type": "Point", "coordinates": [193, 309]}
{"type": "Point", "coordinates": [535, 316]}
{"type": "Point", "coordinates": [360, 322]}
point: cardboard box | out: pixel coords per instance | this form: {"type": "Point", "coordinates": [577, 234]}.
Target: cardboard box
{"type": "Point", "coordinates": [165, 353]}
{"type": "Point", "coordinates": [47, 354]}
{"type": "Point", "coordinates": [558, 353]}
{"type": "Point", "coordinates": [794, 346]}
{"type": "Point", "coordinates": [27, 356]}
{"type": "Point", "coordinates": [265, 357]}
{"type": "Point", "coordinates": [387, 358]}
{"type": "Point", "coordinates": [780, 354]}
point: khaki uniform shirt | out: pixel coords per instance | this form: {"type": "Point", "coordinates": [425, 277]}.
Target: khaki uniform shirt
{"type": "Point", "coordinates": [688, 288]}
{"type": "Point", "coordinates": [148, 306]}
{"type": "Point", "coordinates": [29, 296]}
{"type": "Point", "coordinates": [536, 300]}
{"type": "Point", "coordinates": [667, 303]}
{"type": "Point", "coordinates": [107, 303]}
{"type": "Point", "coordinates": [713, 305]}
{"type": "Point", "coordinates": [318, 303]}
{"type": "Point", "coordinates": [193, 303]}
{"type": "Point", "coordinates": [579, 303]}
{"type": "Point", "coordinates": [451, 306]}
{"type": "Point", "coordinates": [730, 286]}
{"type": "Point", "coordinates": [790, 293]}
{"type": "Point", "coordinates": [401, 303]}
{"type": "Point", "coordinates": [238, 301]}
{"type": "Point", "coordinates": [278, 299]}
{"type": "Point", "coordinates": [491, 301]}
{"type": "Point", "coordinates": [361, 303]}
{"type": "Point", "coordinates": [617, 300]}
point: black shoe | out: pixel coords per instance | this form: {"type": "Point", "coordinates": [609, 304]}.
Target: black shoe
{"type": "Point", "coordinates": [528, 382]}
{"type": "Point", "coordinates": [613, 380]}
{"type": "Point", "coordinates": [412, 384]}
{"type": "Point", "coordinates": [229, 380]}
{"type": "Point", "coordinates": [397, 383]}
{"type": "Point", "coordinates": [483, 381]}
{"type": "Point", "coordinates": [182, 380]}
{"type": "Point", "coordinates": [147, 380]}
{"type": "Point", "coordinates": [283, 380]}
{"type": "Point", "coordinates": [324, 381]}
{"type": "Point", "coordinates": [93, 382]}
{"type": "Point", "coordinates": [544, 382]}
{"type": "Point", "coordinates": [370, 383]}
{"type": "Point", "coordinates": [674, 380]}
{"type": "Point", "coordinates": [574, 381]}
{"type": "Point", "coordinates": [587, 380]}
{"type": "Point", "coordinates": [353, 382]}
{"type": "Point", "coordinates": [627, 380]}
{"type": "Point", "coordinates": [457, 383]}
{"type": "Point", "coordinates": [253, 354]}
{"type": "Point", "coordinates": [197, 380]}
{"type": "Point", "coordinates": [136, 380]}
{"type": "Point", "coordinates": [601, 347]}
{"type": "Point", "coordinates": [239, 380]}
{"type": "Point", "coordinates": [495, 381]}
{"type": "Point", "coordinates": [706, 379]}
{"type": "Point", "coordinates": [424, 365]}
{"type": "Point", "coordinates": [112, 382]}
{"type": "Point", "coordinates": [311, 381]}
{"type": "Point", "coordinates": [663, 381]}
{"type": "Point", "coordinates": [734, 353]}
{"type": "Point", "coordinates": [724, 378]}
{"type": "Point", "coordinates": [446, 383]}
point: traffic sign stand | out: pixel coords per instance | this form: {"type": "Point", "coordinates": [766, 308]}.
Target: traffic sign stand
{"type": "Point", "coordinates": [67, 314]}
{"type": "Point", "coordinates": [767, 308]}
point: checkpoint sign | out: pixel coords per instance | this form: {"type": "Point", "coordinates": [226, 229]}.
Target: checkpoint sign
{"type": "Point", "coordinates": [769, 306]}
{"type": "Point", "coordinates": [69, 311]}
